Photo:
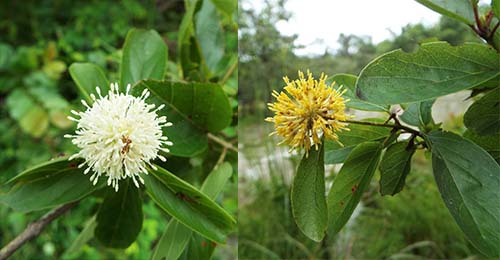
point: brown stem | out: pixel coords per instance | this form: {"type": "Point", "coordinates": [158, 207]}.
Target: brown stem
{"type": "Point", "coordinates": [220, 141]}
{"type": "Point", "coordinates": [222, 156]}
{"type": "Point", "coordinates": [494, 29]}
{"type": "Point", "coordinates": [229, 72]}
{"type": "Point", "coordinates": [33, 230]}
{"type": "Point", "coordinates": [397, 125]}
{"type": "Point", "coordinates": [476, 17]}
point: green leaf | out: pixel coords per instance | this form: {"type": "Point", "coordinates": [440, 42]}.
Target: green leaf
{"type": "Point", "coordinates": [308, 195]}
{"type": "Point", "coordinates": [394, 167]}
{"type": "Point", "coordinates": [119, 219]}
{"type": "Point", "coordinates": [349, 83]}
{"type": "Point", "coordinates": [434, 70]}
{"type": "Point", "coordinates": [468, 179]}
{"type": "Point", "coordinates": [418, 113]}
{"type": "Point", "coordinates": [228, 7]}
{"type": "Point", "coordinates": [188, 205]}
{"type": "Point", "coordinates": [177, 236]}
{"type": "Point", "coordinates": [32, 118]}
{"type": "Point", "coordinates": [35, 122]}
{"type": "Point", "coordinates": [83, 238]}
{"type": "Point", "coordinates": [489, 143]}
{"type": "Point", "coordinates": [48, 185]}
{"type": "Point", "coordinates": [351, 182]}
{"type": "Point", "coordinates": [6, 55]}
{"type": "Point", "coordinates": [87, 77]}
{"type": "Point", "coordinates": [216, 180]}
{"type": "Point", "coordinates": [198, 248]}
{"type": "Point", "coordinates": [144, 57]}
{"type": "Point", "coordinates": [483, 117]}
{"type": "Point", "coordinates": [193, 109]}
{"type": "Point", "coordinates": [173, 241]}
{"type": "Point", "coordinates": [335, 153]}
{"type": "Point", "coordinates": [210, 35]}
{"type": "Point", "coordinates": [187, 49]}
{"type": "Point", "coordinates": [495, 6]}
{"type": "Point", "coordinates": [19, 103]}
{"type": "Point", "coordinates": [460, 10]}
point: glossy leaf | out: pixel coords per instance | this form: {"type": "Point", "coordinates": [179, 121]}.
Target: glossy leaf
{"type": "Point", "coordinates": [488, 142]}
{"type": "Point", "coordinates": [308, 195]}
{"type": "Point", "coordinates": [457, 9]}
{"type": "Point", "coordinates": [177, 236]}
{"type": "Point", "coordinates": [335, 153]}
{"type": "Point", "coordinates": [394, 167]}
{"type": "Point", "coordinates": [483, 117]}
{"type": "Point", "coordinates": [434, 70]}
{"type": "Point", "coordinates": [87, 77]}
{"type": "Point", "coordinates": [188, 205]}
{"type": "Point", "coordinates": [418, 113]}
{"type": "Point", "coordinates": [193, 108]}
{"type": "Point", "coordinates": [48, 185]}
{"type": "Point", "coordinates": [468, 179]}
{"type": "Point", "coordinates": [144, 57]}
{"type": "Point", "coordinates": [349, 83]}
{"type": "Point", "coordinates": [351, 182]}
{"type": "Point", "coordinates": [46, 169]}
{"type": "Point", "coordinates": [119, 219]}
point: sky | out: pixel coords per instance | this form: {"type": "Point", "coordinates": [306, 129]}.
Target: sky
{"type": "Point", "coordinates": [318, 23]}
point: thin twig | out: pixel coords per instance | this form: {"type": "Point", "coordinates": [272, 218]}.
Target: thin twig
{"type": "Point", "coordinates": [394, 126]}
{"type": "Point", "coordinates": [221, 142]}
{"type": "Point", "coordinates": [229, 72]}
{"type": "Point", "coordinates": [495, 29]}
{"type": "Point", "coordinates": [222, 156]}
{"type": "Point", "coordinates": [33, 230]}
{"type": "Point", "coordinates": [476, 18]}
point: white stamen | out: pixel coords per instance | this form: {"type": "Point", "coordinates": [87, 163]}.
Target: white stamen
{"type": "Point", "coordinates": [116, 144]}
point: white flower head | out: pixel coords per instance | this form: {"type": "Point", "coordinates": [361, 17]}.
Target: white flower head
{"type": "Point", "coordinates": [118, 135]}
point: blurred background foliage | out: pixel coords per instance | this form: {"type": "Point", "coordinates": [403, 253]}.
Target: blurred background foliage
{"type": "Point", "coordinates": [414, 224]}
{"type": "Point", "coordinates": [266, 55]}
{"type": "Point", "coordinates": [38, 42]}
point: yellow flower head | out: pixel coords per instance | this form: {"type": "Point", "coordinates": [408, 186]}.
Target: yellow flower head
{"type": "Point", "coordinates": [309, 111]}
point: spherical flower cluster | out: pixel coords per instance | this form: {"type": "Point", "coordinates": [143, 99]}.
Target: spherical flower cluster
{"type": "Point", "coordinates": [308, 111]}
{"type": "Point", "coordinates": [118, 135]}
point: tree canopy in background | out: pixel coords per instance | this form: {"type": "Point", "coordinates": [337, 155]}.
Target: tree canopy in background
{"type": "Point", "coordinates": [267, 55]}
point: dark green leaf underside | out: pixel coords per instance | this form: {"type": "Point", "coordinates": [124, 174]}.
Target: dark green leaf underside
{"type": "Point", "coordinates": [119, 219]}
